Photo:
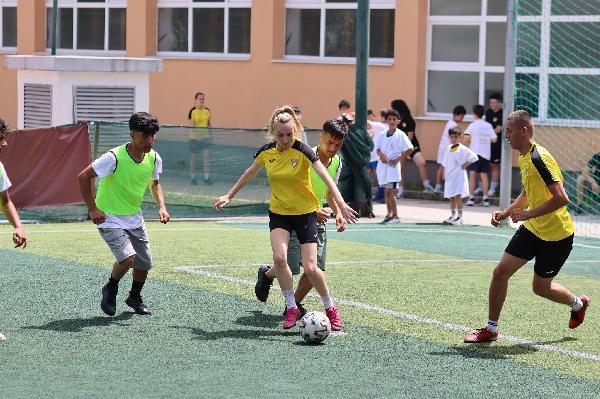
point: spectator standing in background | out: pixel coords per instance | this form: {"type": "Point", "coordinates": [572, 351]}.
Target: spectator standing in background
{"type": "Point", "coordinates": [408, 126]}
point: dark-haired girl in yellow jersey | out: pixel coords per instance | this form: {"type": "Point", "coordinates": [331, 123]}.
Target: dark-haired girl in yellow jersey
{"type": "Point", "coordinates": [292, 207]}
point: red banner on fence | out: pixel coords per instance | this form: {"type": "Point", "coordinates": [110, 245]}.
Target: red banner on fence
{"type": "Point", "coordinates": [43, 165]}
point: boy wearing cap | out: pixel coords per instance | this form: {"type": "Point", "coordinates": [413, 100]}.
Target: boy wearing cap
{"type": "Point", "coordinates": [125, 172]}
{"type": "Point", "coordinates": [8, 208]}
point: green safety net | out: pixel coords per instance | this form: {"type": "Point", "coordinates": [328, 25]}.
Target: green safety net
{"type": "Point", "coordinates": [557, 80]}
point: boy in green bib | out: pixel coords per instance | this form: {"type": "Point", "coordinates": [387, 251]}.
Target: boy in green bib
{"type": "Point", "coordinates": [331, 140]}
{"type": "Point", "coordinates": [126, 171]}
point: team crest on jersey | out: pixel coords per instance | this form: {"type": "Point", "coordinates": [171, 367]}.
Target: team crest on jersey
{"type": "Point", "coordinates": [294, 162]}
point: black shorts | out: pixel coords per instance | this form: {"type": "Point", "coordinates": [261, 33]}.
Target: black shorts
{"type": "Point", "coordinates": [197, 145]}
{"type": "Point", "coordinates": [305, 225]}
{"type": "Point", "coordinates": [482, 165]}
{"type": "Point", "coordinates": [496, 153]}
{"type": "Point", "coordinates": [549, 256]}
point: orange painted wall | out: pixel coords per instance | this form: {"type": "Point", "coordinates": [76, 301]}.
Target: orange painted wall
{"type": "Point", "coordinates": [9, 100]}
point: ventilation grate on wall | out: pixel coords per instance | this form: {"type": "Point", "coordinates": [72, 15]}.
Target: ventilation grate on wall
{"type": "Point", "coordinates": [103, 103]}
{"type": "Point", "coordinates": [37, 107]}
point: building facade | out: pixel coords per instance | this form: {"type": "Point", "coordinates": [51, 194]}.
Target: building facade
{"type": "Point", "coordinates": [248, 56]}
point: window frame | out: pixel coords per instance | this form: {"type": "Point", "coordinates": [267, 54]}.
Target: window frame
{"type": "Point", "coordinates": [190, 5]}
{"type": "Point", "coordinates": [75, 6]}
{"type": "Point", "coordinates": [543, 70]}
{"type": "Point", "coordinates": [6, 49]}
{"type": "Point", "coordinates": [323, 6]}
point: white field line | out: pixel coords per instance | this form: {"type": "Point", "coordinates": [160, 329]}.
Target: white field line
{"type": "Point", "coordinates": [374, 261]}
{"type": "Point", "coordinates": [407, 316]}
{"type": "Point", "coordinates": [351, 229]}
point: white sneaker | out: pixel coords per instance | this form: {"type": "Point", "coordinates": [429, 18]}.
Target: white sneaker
{"type": "Point", "coordinates": [470, 201]}
{"type": "Point", "coordinates": [438, 189]}
{"type": "Point", "coordinates": [395, 220]}
{"type": "Point", "coordinates": [449, 220]}
{"type": "Point", "coordinates": [491, 193]}
{"type": "Point", "coordinates": [428, 190]}
{"type": "Point", "coordinates": [485, 202]}
{"type": "Point", "coordinates": [478, 190]}
{"type": "Point", "coordinates": [457, 222]}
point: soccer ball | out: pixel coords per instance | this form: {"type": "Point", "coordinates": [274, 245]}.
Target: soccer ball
{"type": "Point", "coordinates": [314, 327]}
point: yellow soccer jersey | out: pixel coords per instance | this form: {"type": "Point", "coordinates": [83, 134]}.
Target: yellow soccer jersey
{"type": "Point", "coordinates": [200, 118]}
{"type": "Point", "coordinates": [538, 170]}
{"type": "Point", "coordinates": [289, 176]}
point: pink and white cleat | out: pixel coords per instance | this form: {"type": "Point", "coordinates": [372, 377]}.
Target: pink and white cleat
{"type": "Point", "coordinates": [291, 317]}
{"type": "Point", "coordinates": [334, 318]}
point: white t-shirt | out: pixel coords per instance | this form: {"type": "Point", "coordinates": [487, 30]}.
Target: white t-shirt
{"type": "Point", "coordinates": [391, 146]}
{"type": "Point", "coordinates": [482, 134]}
{"type": "Point", "coordinates": [376, 128]}
{"type": "Point", "coordinates": [4, 180]}
{"type": "Point", "coordinates": [445, 141]}
{"type": "Point", "coordinates": [105, 166]}
{"type": "Point", "coordinates": [457, 182]}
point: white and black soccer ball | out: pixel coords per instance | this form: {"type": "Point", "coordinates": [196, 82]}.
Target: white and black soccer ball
{"type": "Point", "coordinates": [314, 327]}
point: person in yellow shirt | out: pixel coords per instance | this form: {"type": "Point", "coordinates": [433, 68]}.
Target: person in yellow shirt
{"type": "Point", "coordinates": [199, 138]}
{"type": "Point", "coordinates": [293, 205]}
{"type": "Point", "coordinates": [546, 234]}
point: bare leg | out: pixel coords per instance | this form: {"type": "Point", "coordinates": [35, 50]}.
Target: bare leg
{"type": "Point", "coordinates": [303, 288]}
{"type": "Point", "coordinates": [120, 269]}
{"type": "Point", "coordinates": [206, 161]}
{"type": "Point", "coordinates": [439, 176]}
{"type": "Point", "coordinates": [507, 266]}
{"type": "Point", "coordinates": [279, 243]}
{"type": "Point", "coordinates": [484, 183]}
{"type": "Point", "coordinates": [555, 292]}
{"type": "Point", "coordinates": [314, 274]}
{"type": "Point", "coordinates": [421, 166]}
{"type": "Point", "coordinates": [472, 176]}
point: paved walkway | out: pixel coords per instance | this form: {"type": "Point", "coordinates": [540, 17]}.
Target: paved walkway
{"type": "Point", "coordinates": [418, 210]}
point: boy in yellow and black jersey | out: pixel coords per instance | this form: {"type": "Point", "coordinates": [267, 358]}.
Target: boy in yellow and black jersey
{"type": "Point", "coordinates": [546, 234]}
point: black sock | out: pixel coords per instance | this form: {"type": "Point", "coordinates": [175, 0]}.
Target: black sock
{"type": "Point", "coordinates": [112, 282]}
{"type": "Point", "coordinates": [136, 288]}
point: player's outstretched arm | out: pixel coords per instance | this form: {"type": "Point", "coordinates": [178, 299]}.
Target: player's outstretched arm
{"type": "Point", "coordinates": [248, 175]}
{"type": "Point", "coordinates": [86, 186]}
{"type": "Point", "coordinates": [159, 198]}
{"type": "Point", "coordinates": [340, 222]}
{"type": "Point", "coordinates": [9, 210]}
{"type": "Point", "coordinates": [348, 213]}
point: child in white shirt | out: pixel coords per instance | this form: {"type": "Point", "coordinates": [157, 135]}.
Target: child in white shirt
{"type": "Point", "coordinates": [458, 114]}
{"type": "Point", "coordinates": [456, 160]}
{"type": "Point", "coordinates": [479, 136]}
{"type": "Point", "coordinates": [392, 147]}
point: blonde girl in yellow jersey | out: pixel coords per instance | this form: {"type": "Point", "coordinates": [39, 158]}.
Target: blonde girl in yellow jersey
{"type": "Point", "coordinates": [292, 207]}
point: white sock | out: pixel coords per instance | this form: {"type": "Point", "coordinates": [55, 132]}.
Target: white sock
{"type": "Point", "coordinates": [438, 186]}
{"type": "Point", "coordinates": [453, 214]}
{"type": "Point", "coordinates": [459, 213]}
{"type": "Point", "coordinates": [577, 305]}
{"type": "Point", "coordinates": [426, 183]}
{"type": "Point", "coordinates": [206, 176]}
{"type": "Point", "coordinates": [479, 186]}
{"type": "Point", "coordinates": [290, 301]}
{"type": "Point", "coordinates": [485, 197]}
{"type": "Point", "coordinates": [492, 326]}
{"type": "Point", "coordinates": [327, 301]}
{"type": "Point", "coordinates": [493, 185]}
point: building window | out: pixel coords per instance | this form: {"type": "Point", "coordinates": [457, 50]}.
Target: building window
{"type": "Point", "coordinates": [204, 27]}
{"type": "Point", "coordinates": [556, 57]}
{"type": "Point", "coordinates": [465, 61]}
{"type": "Point", "coordinates": [88, 25]}
{"type": "Point", "coordinates": [8, 24]}
{"type": "Point", "coordinates": [327, 29]}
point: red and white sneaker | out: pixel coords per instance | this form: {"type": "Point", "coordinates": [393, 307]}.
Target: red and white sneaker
{"type": "Point", "coordinates": [291, 317]}
{"type": "Point", "coordinates": [577, 317]}
{"type": "Point", "coordinates": [334, 318]}
{"type": "Point", "coordinates": [481, 335]}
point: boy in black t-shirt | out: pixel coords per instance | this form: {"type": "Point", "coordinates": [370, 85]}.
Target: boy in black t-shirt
{"type": "Point", "coordinates": [494, 116]}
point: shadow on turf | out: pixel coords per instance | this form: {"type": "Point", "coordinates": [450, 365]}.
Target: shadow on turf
{"type": "Point", "coordinates": [490, 350]}
{"type": "Point", "coordinates": [259, 319]}
{"type": "Point", "coordinates": [237, 333]}
{"type": "Point", "coordinates": [77, 325]}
